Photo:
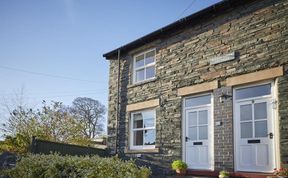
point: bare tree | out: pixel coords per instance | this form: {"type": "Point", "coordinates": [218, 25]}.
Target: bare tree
{"type": "Point", "coordinates": [9, 106]}
{"type": "Point", "coordinates": [91, 114]}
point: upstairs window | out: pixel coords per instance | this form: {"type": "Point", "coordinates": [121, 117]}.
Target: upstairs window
{"type": "Point", "coordinates": [144, 66]}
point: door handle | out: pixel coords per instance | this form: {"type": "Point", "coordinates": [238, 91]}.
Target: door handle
{"type": "Point", "coordinates": [186, 139]}
{"type": "Point", "coordinates": [271, 135]}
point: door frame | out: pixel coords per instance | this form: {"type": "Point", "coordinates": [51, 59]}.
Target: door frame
{"type": "Point", "coordinates": [275, 122]}
{"type": "Point", "coordinates": [183, 125]}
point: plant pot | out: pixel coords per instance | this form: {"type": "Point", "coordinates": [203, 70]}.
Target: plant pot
{"type": "Point", "coordinates": [221, 176]}
{"type": "Point", "coordinates": [181, 171]}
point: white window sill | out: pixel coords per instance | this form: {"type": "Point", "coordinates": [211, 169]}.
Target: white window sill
{"type": "Point", "coordinates": [153, 150]}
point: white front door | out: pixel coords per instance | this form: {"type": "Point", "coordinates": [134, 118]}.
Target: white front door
{"type": "Point", "coordinates": [254, 128]}
{"type": "Point", "coordinates": [198, 138]}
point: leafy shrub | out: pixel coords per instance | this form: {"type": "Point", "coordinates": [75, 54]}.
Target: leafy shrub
{"type": "Point", "coordinates": [179, 164]}
{"type": "Point", "coordinates": [56, 166]}
{"type": "Point", "coordinates": [224, 173]}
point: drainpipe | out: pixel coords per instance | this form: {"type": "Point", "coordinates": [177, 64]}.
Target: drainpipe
{"type": "Point", "coordinates": [118, 104]}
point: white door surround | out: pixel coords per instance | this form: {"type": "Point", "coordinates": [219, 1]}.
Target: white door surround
{"type": "Point", "coordinates": [254, 127]}
{"type": "Point", "coordinates": [198, 148]}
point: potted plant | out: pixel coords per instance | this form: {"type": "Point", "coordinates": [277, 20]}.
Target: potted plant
{"type": "Point", "coordinates": [224, 174]}
{"type": "Point", "coordinates": [180, 167]}
{"type": "Point", "coordinates": [281, 172]}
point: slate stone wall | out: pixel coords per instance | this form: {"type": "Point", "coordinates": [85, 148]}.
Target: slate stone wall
{"type": "Point", "coordinates": [223, 135]}
{"type": "Point", "coordinates": [257, 32]}
{"type": "Point", "coordinates": [283, 115]}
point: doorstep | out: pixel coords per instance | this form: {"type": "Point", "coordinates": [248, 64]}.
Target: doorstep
{"type": "Point", "coordinates": [251, 175]}
{"type": "Point", "coordinates": [200, 173]}
{"type": "Point", "coordinates": [189, 177]}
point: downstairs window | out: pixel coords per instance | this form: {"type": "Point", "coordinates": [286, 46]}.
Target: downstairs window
{"type": "Point", "coordinates": [142, 132]}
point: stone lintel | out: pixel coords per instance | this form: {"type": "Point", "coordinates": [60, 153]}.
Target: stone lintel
{"type": "Point", "coordinates": [255, 76]}
{"type": "Point", "coordinates": [198, 88]}
{"type": "Point", "coordinates": [142, 105]}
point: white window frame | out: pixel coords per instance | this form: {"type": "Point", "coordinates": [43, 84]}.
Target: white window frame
{"type": "Point", "coordinates": [131, 131]}
{"type": "Point", "coordinates": [254, 85]}
{"type": "Point", "coordinates": [143, 67]}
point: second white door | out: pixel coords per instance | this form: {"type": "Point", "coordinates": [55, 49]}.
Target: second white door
{"type": "Point", "coordinates": [254, 129]}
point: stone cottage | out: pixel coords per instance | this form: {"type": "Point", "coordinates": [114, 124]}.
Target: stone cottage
{"type": "Point", "coordinates": [210, 89]}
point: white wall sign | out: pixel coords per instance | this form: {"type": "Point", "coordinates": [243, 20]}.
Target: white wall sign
{"type": "Point", "coordinates": [223, 58]}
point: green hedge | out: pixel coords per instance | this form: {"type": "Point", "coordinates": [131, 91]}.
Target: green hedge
{"type": "Point", "coordinates": [56, 166]}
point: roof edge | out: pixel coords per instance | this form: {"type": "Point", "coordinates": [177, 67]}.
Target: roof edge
{"type": "Point", "coordinates": [222, 5]}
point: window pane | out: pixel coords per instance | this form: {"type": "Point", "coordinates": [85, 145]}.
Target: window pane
{"type": "Point", "coordinates": [139, 61]}
{"type": "Point", "coordinates": [246, 112]}
{"type": "Point", "coordinates": [138, 137]}
{"type": "Point", "coordinates": [253, 91]}
{"type": "Point", "coordinates": [192, 118]}
{"type": "Point", "coordinates": [203, 132]}
{"type": "Point", "coordinates": [246, 130]}
{"type": "Point", "coordinates": [150, 72]}
{"type": "Point", "coordinates": [203, 117]}
{"type": "Point", "coordinates": [138, 120]}
{"type": "Point", "coordinates": [149, 137]}
{"type": "Point", "coordinates": [149, 122]}
{"type": "Point", "coordinates": [149, 118]}
{"type": "Point", "coordinates": [260, 111]}
{"type": "Point", "coordinates": [197, 101]}
{"type": "Point", "coordinates": [139, 75]}
{"type": "Point", "coordinates": [193, 133]}
{"type": "Point", "coordinates": [150, 56]}
{"type": "Point", "coordinates": [261, 129]}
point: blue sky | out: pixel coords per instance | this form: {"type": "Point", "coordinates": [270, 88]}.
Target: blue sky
{"type": "Point", "coordinates": [68, 37]}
